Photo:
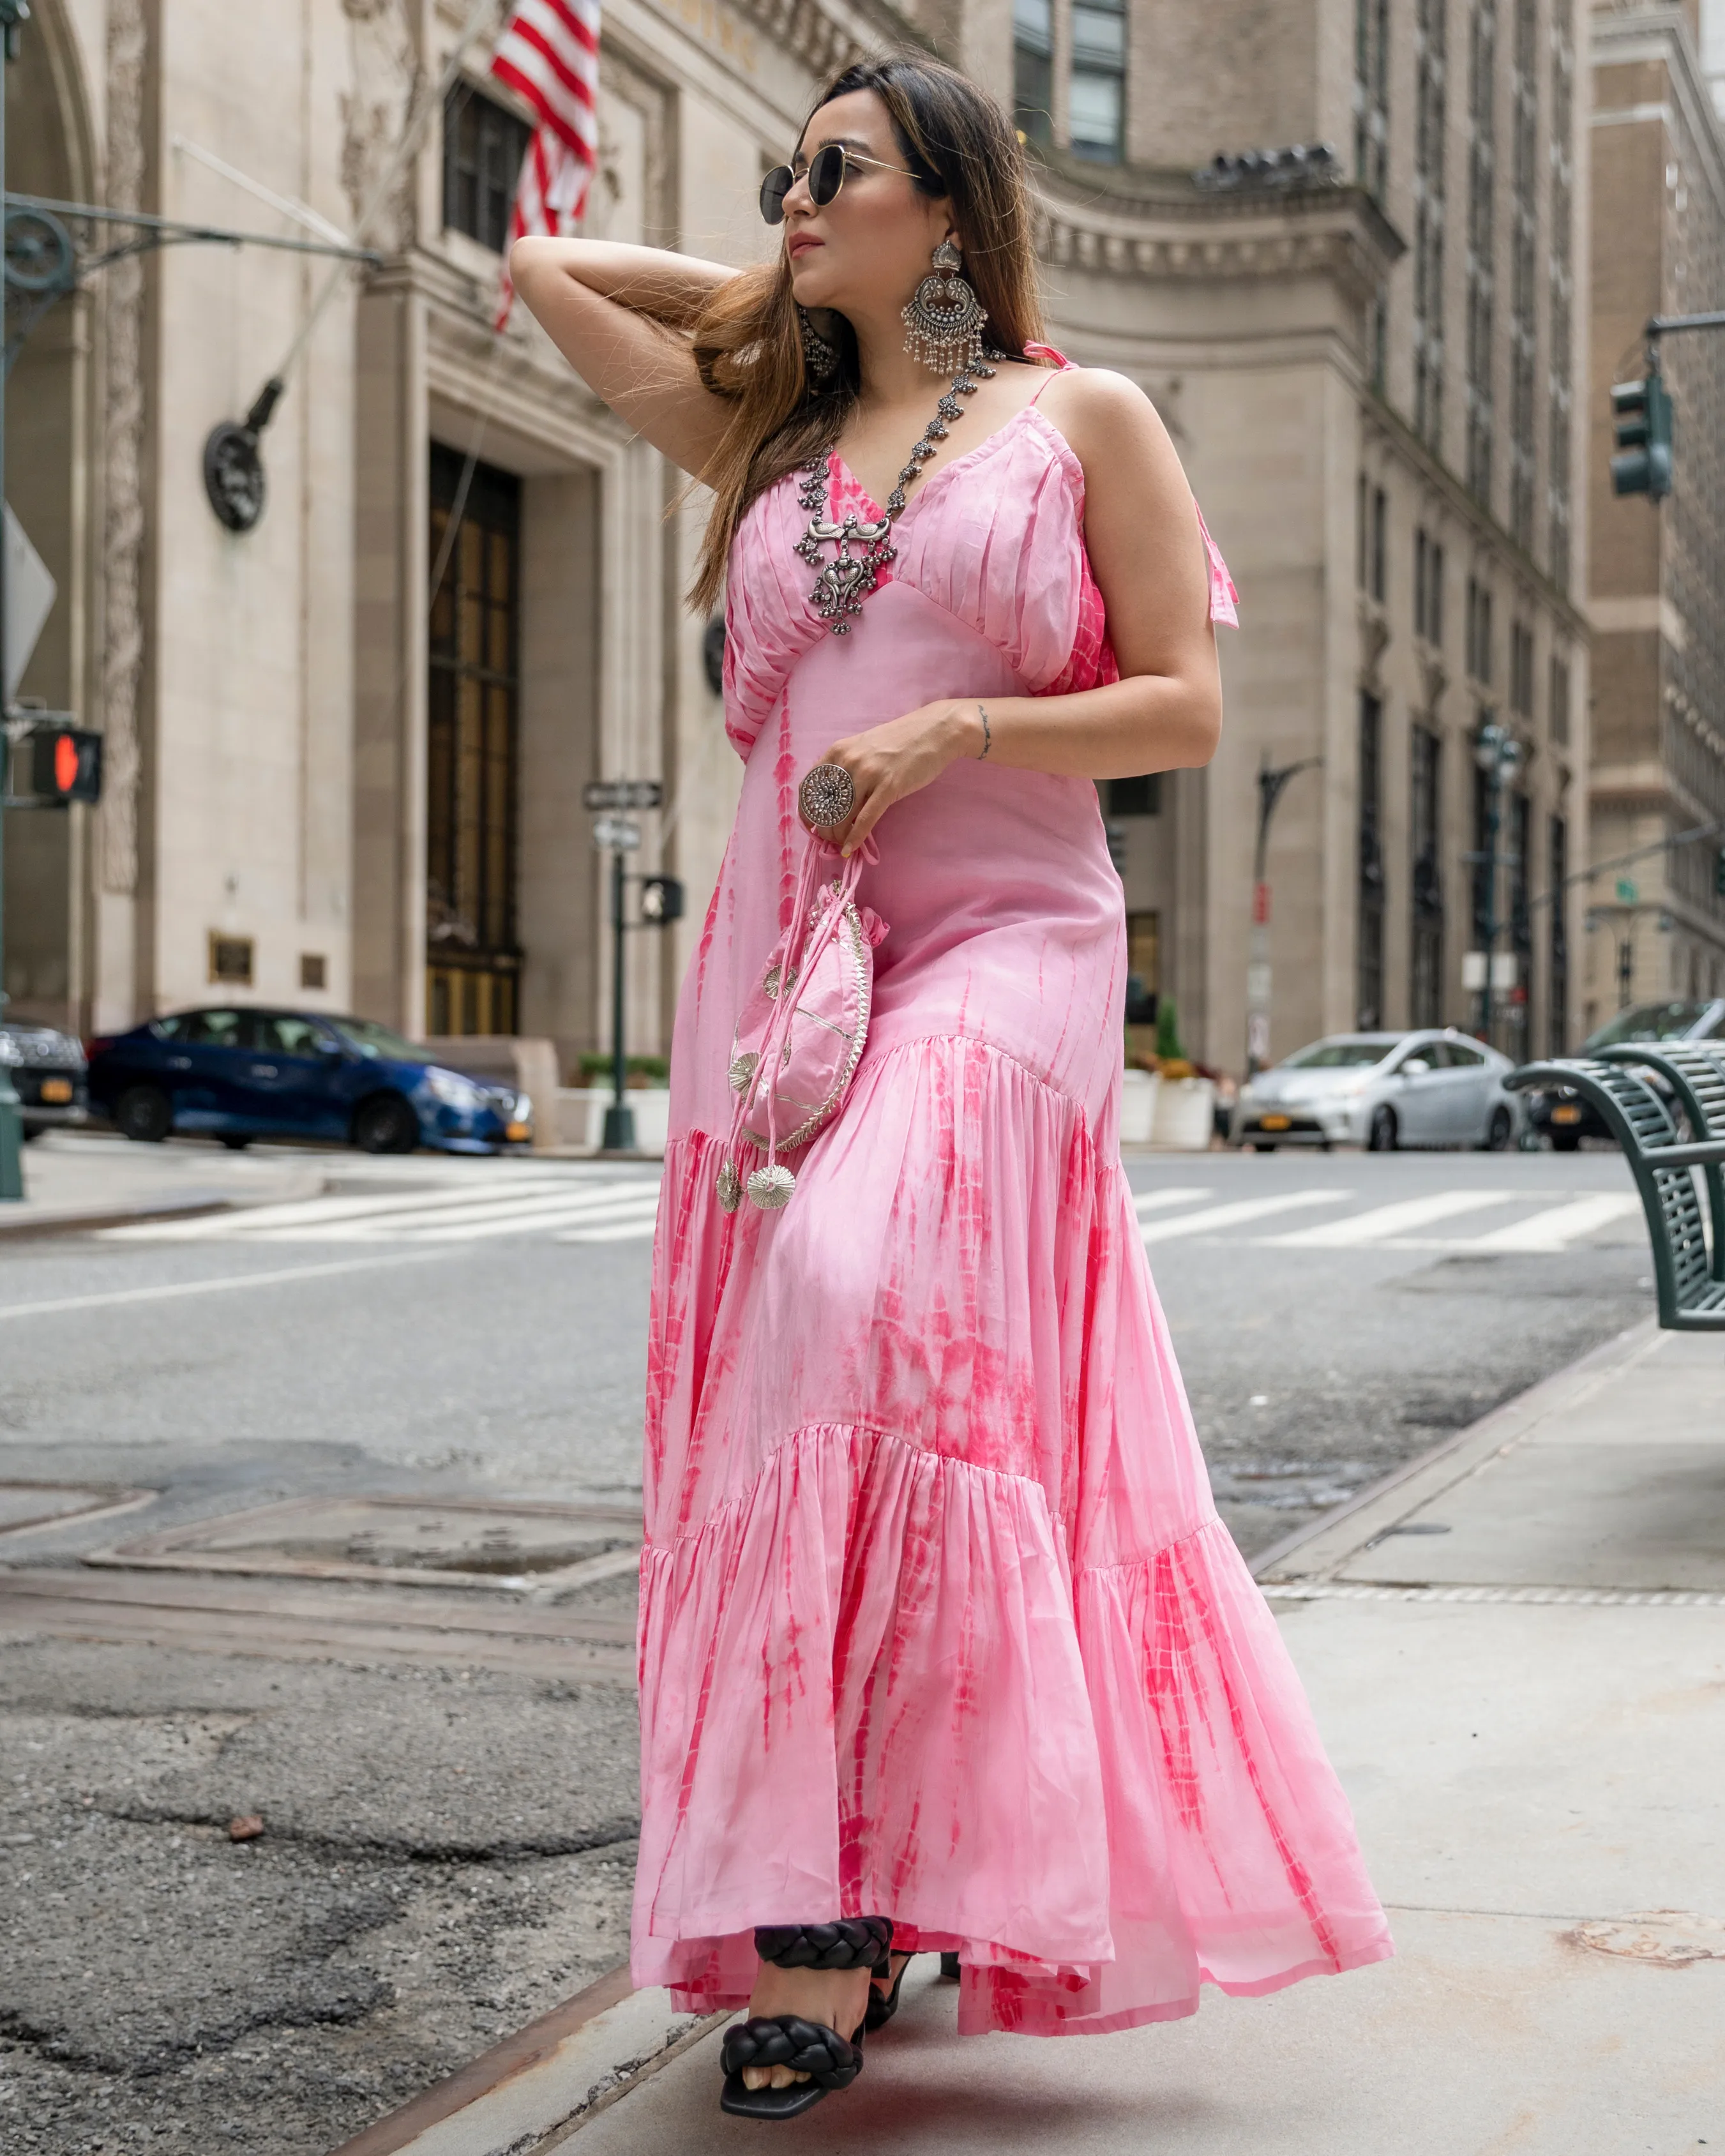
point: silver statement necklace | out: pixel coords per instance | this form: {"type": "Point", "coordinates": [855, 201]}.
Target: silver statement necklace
{"type": "Point", "coordinates": [846, 581]}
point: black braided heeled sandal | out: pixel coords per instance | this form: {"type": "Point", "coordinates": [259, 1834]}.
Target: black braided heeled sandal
{"type": "Point", "coordinates": [830, 2061]}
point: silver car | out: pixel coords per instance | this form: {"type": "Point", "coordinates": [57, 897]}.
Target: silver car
{"type": "Point", "coordinates": [1381, 1091]}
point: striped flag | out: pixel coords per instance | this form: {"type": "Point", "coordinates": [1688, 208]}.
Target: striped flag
{"type": "Point", "coordinates": [549, 55]}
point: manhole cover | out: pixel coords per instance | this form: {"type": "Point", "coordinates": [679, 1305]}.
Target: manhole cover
{"type": "Point", "coordinates": [36, 1504]}
{"type": "Point", "coordinates": [469, 1541]}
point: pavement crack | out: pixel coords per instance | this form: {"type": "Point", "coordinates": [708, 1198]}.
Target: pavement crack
{"type": "Point", "coordinates": [415, 1849]}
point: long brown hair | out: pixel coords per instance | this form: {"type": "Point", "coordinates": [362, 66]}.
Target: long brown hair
{"type": "Point", "coordinates": [747, 341]}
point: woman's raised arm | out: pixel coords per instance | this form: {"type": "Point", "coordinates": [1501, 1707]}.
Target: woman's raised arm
{"type": "Point", "coordinates": [617, 314]}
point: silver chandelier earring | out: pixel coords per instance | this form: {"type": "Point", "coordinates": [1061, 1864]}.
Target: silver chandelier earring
{"type": "Point", "coordinates": [820, 355]}
{"type": "Point", "coordinates": [943, 321]}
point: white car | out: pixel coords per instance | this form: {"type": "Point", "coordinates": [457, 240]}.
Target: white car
{"type": "Point", "coordinates": [1381, 1091]}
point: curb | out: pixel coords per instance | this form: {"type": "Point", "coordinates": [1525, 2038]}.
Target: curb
{"type": "Point", "coordinates": [112, 1216]}
{"type": "Point", "coordinates": [549, 2078]}
{"type": "Point", "coordinates": [1317, 1550]}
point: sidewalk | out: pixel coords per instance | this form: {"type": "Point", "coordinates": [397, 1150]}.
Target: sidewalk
{"type": "Point", "coordinates": [1517, 1654]}
{"type": "Point", "coordinates": [79, 1180]}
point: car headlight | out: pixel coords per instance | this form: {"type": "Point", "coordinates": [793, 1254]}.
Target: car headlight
{"type": "Point", "coordinates": [10, 1052]}
{"type": "Point", "coordinates": [456, 1091]}
{"type": "Point", "coordinates": [523, 1109]}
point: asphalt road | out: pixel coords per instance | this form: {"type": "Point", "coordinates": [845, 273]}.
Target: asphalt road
{"type": "Point", "coordinates": [447, 1849]}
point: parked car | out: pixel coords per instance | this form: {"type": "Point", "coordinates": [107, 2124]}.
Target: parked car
{"type": "Point", "coordinates": [47, 1069]}
{"type": "Point", "coordinates": [1561, 1114]}
{"type": "Point", "coordinates": [241, 1074]}
{"type": "Point", "coordinates": [1381, 1091]}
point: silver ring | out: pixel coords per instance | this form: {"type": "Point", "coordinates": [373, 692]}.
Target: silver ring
{"type": "Point", "coordinates": [827, 795]}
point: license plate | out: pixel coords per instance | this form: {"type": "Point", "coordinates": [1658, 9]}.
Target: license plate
{"type": "Point", "coordinates": [516, 1132]}
{"type": "Point", "coordinates": [1566, 1114]}
{"type": "Point", "coordinates": [56, 1091]}
{"type": "Point", "coordinates": [1275, 1123]}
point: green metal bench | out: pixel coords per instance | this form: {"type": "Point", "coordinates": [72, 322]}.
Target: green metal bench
{"type": "Point", "coordinates": [1692, 1288]}
{"type": "Point", "coordinates": [1695, 1071]}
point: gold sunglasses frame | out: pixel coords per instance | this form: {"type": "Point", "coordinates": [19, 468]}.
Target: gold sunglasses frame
{"type": "Point", "coordinates": [846, 159]}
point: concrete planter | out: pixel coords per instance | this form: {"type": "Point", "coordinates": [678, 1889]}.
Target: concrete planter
{"type": "Point", "coordinates": [581, 1116]}
{"type": "Point", "coordinates": [1138, 1092]}
{"type": "Point", "coordinates": [1185, 1114]}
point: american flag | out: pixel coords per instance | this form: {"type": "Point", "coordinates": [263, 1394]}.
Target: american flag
{"type": "Point", "coordinates": [549, 54]}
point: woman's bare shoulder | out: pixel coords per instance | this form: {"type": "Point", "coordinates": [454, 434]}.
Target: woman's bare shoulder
{"type": "Point", "coordinates": [1102, 413]}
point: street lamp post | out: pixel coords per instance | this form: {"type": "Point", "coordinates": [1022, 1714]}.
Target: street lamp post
{"type": "Point", "coordinates": [1272, 782]}
{"type": "Point", "coordinates": [13, 13]}
{"type": "Point", "coordinates": [1497, 753]}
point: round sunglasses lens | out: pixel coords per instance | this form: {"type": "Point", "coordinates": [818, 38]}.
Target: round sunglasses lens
{"type": "Point", "coordinates": [777, 185]}
{"type": "Point", "coordinates": [826, 175]}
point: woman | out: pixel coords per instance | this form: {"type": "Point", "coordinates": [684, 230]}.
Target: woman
{"type": "Point", "coordinates": [941, 1639]}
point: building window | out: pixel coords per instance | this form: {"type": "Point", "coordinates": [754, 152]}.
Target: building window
{"type": "Point", "coordinates": [1135, 797]}
{"type": "Point", "coordinates": [1369, 998]}
{"type": "Point", "coordinates": [1481, 229]}
{"type": "Point", "coordinates": [1430, 105]}
{"type": "Point", "coordinates": [1521, 926]}
{"type": "Point", "coordinates": [1143, 967]}
{"type": "Point", "coordinates": [1033, 70]}
{"type": "Point", "coordinates": [1524, 227]}
{"type": "Point", "coordinates": [1557, 998]}
{"type": "Point", "coordinates": [1426, 943]}
{"type": "Point", "coordinates": [1479, 631]}
{"type": "Point", "coordinates": [1560, 695]}
{"type": "Point", "coordinates": [1520, 670]}
{"type": "Point", "coordinates": [484, 143]}
{"type": "Point", "coordinates": [472, 959]}
{"type": "Point", "coordinates": [1371, 95]}
{"type": "Point", "coordinates": [1097, 104]}
{"type": "Point", "coordinates": [1428, 588]}
{"type": "Point", "coordinates": [314, 970]}
{"type": "Point", "coordinates": [1371, 540]}
{"type": "Point", "coordinates": [1560, 293]}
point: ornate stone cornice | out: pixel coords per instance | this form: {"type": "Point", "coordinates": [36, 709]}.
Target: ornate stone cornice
{"type": "Point", "coordinates": [1173, 230]}
{"type": "Point", "coordinates": [808, 29]}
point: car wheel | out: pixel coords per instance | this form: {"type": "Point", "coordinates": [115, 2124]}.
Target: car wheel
{"type": "Point", "coordinates": [236, 1144]}
{"type": "Point", "coordinates": [1384, 1136]}
{"type": "Point", "coordinates": [1262, 1148]}
{"type": "Point", "coordinates": [33, 1132]}
{"type": "Point", "coordinates": [1500, 1130]}
{"type": "Point", "coordinates": [385, 1124]}
{"type": "Point", "coordinates": [1566, 1141]}
{"type": "Point", "coordinates": [141, 1113]}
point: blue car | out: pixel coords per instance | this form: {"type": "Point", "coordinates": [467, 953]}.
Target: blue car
{"type": "Point", "coordinates": [238, 1075]}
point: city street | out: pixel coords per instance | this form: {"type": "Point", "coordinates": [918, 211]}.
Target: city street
{"type": "Point", "coordinates": [447, 1810]}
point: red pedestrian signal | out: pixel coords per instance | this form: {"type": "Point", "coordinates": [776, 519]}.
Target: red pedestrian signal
{"type": "Point", "coordinates": [66, 766]}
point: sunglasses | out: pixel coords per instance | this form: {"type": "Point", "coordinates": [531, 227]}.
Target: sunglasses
{"type": "Point", "coordinates": [825, 176]}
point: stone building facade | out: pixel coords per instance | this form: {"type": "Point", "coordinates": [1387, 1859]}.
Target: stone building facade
{"type": "Point", "coordinates": [331, 784]}
{"type": "Point", "coordinates": [1658, 155]}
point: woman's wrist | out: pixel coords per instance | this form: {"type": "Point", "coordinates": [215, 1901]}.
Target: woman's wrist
{"type": "Point", "coordinates": [969, 731]}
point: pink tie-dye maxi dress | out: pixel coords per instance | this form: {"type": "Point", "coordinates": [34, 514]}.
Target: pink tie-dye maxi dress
{"type": "Point", "coordinates": [938, 1620]}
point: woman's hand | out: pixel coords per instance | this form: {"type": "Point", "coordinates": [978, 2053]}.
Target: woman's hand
{"type": "Point", "coordinates": [901, 757]}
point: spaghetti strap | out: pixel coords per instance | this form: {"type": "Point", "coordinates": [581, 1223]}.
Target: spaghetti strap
{"type": "Point", "coordinates": [1062, 365]}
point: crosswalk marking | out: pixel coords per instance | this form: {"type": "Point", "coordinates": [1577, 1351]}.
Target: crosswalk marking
{"type": "Point", "coordinates": [254, 1220]}
{"type": "Point", "coordinates": [1237, 1215]}
{"type": "Point", "coordinates": [1558, 1225]}
{"type": "Point", "coordinates": [1154, 1201]}
{"type": "Point", "coordinates": [1384, 1221]}
{"type": "Point", "coordinates": [561, 1206]}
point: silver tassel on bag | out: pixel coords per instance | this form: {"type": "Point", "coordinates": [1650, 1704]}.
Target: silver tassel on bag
{"type": "Point", "coordinates": [944, 320]}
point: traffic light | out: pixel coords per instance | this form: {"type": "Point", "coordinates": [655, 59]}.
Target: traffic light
{"type": "Point", "coordinates": [1641, 416]}
{"type": "Point", "coordinates": [661, 900]}
{"type": "Point", "coordinates": [65, 765]}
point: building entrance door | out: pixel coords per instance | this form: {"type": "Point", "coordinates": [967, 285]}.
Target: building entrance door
{"type": "Point", "coordinates": [473, 960]}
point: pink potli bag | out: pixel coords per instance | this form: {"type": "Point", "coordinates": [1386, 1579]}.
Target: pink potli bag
{"type": "Point", "coordinates": [801, 1033]}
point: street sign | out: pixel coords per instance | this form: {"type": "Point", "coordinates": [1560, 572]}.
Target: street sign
{"type": "Point", "coordinates": [622, 793]}
{"type": "Point", "coordinates": [617, 832]}
{"type": "Point", "coordinates": [1627, 891]}
{"type": "Point", "coordinates": [1473, 970]}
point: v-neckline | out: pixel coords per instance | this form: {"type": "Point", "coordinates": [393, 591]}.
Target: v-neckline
{"type": "Point", "coordinates": [952, 464]}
